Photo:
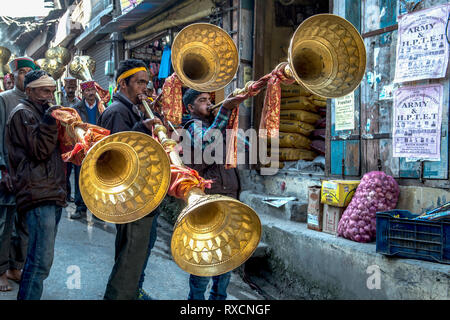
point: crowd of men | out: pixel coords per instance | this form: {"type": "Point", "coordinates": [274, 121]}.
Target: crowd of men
{"type": "Point", "coordinates": [35, 182]}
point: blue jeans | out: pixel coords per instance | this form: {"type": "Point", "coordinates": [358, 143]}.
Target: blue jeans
{"type": "Point", "coordinates": [42, 225]}
{"type": "Point", "coordinates": [151, 244]}
{"type": "Point", "coordinates": [78, 199]}
{"type": "Point", "coordinates": [197, 286]}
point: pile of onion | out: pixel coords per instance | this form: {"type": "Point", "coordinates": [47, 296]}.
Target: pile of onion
{"type": "Point", "coordinates": [377, 192]}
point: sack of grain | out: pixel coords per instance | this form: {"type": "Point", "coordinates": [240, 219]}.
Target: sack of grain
{"type": "Point", "coordinates": [298, 103]}
{"type": "Point", "coordinates": [316, 97]}
{"type": "Point", "coordinates": [301, 115]}
{"type": "Point", "coordinates": [296, 126]}
{"type": "Point", "coordinates": [293, 154]}
{"type": "Point", "coordinates": [293, 140]}
{"type": "Point", "coordinates": [319, 103]}
{"type": "Point", "coordinates": [294, 90]}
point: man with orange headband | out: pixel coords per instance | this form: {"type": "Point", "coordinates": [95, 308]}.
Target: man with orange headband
{"type": "Point", "coordinates": [132, 239]}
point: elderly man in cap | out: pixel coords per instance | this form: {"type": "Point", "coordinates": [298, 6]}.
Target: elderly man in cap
{"type": "Point", "coordinates": [37, 172]}
{"type": "Point", "coordinates": [70, 100]}
{"type": "Point", "coordinates": [13, 231]}
{"type": "Point", "coordinates": [89, 111]}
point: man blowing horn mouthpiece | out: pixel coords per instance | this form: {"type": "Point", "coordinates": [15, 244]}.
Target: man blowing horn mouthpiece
{"type": "Point", "coordinates": [34, 156]}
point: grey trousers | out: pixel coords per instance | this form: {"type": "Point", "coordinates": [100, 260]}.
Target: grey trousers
{"type": "Point", "coordinates": [131, 248]}
{"type": "Point", "coordinates": [13, 239]}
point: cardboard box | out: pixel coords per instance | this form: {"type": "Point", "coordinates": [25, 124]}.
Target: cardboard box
{"type": "Point", "coordinates": [338, 193]}
{"type": "Point", "coordinates": [331, 217]}
{"type": "Point", "coordinates": [315, 209]}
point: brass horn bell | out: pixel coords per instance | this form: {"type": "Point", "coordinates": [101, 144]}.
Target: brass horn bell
{"type": "Point", "coordinates": [82, 68]}
{"type": "Point", "coordinates": [204, 57]}
{"type": "Point", "coordinates": [327, 56]}
{"type": "Point", "coordinates": [214, 234]}
{"type": "Point", "coordinates": [124, 177]}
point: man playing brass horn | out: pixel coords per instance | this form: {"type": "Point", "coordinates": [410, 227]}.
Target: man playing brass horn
{"type": "Point", "coordinates": [38, 176]}
{"type": "Point", "coordinates": [226, 181]}
{"type": "Point", "coordinates": [13, 245]}
{"type": "Point", "coordinates": [132, 239]}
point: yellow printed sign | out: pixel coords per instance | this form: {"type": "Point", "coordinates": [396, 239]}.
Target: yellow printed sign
{"type": "Point", "coordinates": [338, 193]}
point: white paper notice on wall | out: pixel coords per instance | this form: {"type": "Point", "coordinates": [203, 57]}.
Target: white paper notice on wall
{"type": "Point", "coordinates": [344, 109]}
{"type": "Point", "coordinates": [417, 122]}
{"type": "Point", "coordinates": [422, 47]}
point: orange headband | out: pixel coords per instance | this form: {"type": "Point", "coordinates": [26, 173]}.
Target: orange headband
{"type": "Point", "coordinates": [128, 73]}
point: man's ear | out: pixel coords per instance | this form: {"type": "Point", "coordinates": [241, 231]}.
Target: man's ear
{"type": "Point", "coordinates": [190, 108]}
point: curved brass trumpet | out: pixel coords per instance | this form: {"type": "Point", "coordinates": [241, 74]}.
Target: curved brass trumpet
{"type": "Point", "coordinates": [326, 55]}
{"type": "Point", "coordinates": [204, 57]}
{"type": "Point", "coordinates": [213, 234]}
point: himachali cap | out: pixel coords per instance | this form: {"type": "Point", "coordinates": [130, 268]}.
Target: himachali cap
{"type": "Point", "coordinates": [68, 80]}
{"type": "Point", "coordinates": [87, 85]}
{"type": "Point", "coordinates": [22, 62]}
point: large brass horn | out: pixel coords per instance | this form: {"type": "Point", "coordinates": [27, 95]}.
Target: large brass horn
{"type": "Point", "coordinates": [204, 57]}
{"type": "Point", "coordinates": [5, 53]}
{"type": "Point", "coordinates": [124, 177]}
{"type": "Point", "coordinates": [327, 56]}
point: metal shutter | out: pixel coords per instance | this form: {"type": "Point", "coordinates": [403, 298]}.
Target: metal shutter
{"type": "Point", "coordinates": [101, 52]}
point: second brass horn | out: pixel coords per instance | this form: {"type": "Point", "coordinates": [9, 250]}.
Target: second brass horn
{"type": "Point", "coordinates": [327, 56]}
{"type": "Point", "coordinates": [204, 57]}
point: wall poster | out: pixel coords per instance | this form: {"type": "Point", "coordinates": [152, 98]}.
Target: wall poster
{"type": "Point", "coordinates": [422, 47]}
{"type": "Point", "coordinates": [417, 122]}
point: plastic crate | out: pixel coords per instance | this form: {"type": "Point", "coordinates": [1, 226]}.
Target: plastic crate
{"type": "Point", "coordinates": [416, 239]}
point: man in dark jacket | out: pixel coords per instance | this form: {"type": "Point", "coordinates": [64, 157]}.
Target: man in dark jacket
{"type": "Point", "coordinates": [69, 100]}
{"type": "Point", "coordinates": [37, 170]}
{"type": "Point", "coordinates": [132, 239]}
{"type": "Point", "coordinates": [226, 181]}
{"type": "Point", "coordinates": [13, 231]}
{"type": "Point", "coordinates": [89, 112]}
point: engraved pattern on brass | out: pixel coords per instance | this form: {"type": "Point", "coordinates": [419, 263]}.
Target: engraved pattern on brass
{"type": "Point", "coordinates": [5, 53]}
{"type": "Point", "coordinates": [82, 68]}
{"type": "Point", "coordinates": [61, 54]}
{"type": "Point", "coordinates": [327, 55]}
{"type": "Point", "coordinates": [205, 57]}
{"type": "Point", "coordinates": [214, 234]}
{"type": "Point", "coordinates": [124, 177]}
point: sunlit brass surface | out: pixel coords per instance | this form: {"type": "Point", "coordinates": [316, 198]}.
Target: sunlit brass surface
{"type": "Point", "coordinates": [5, 53]}
{"type": "Point", "coordinates": [82, 68]}
{"type": "Point", "coordinates": [61, 54]}
{"type": "Point", "coordinates": [205, 57]}
{"type": "Point", "coordinates": [124, 177]}
{"type": "Point", "coordinates": [327, 55]}
{"type": "Point", "coordinates": [213, 234]}
{"type": "Point", "coordinates": [52, 67]}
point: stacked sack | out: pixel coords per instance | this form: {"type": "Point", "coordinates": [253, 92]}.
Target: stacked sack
{"type": "Point", "coordinates": [302, 124]}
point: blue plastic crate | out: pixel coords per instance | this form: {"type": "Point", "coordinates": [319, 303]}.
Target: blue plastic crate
{"type": "Point", "coordinates": [403, 237]}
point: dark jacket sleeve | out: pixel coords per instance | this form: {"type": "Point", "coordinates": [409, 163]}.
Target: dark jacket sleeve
{"type": "Point", "coordinates": [37, 138]}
